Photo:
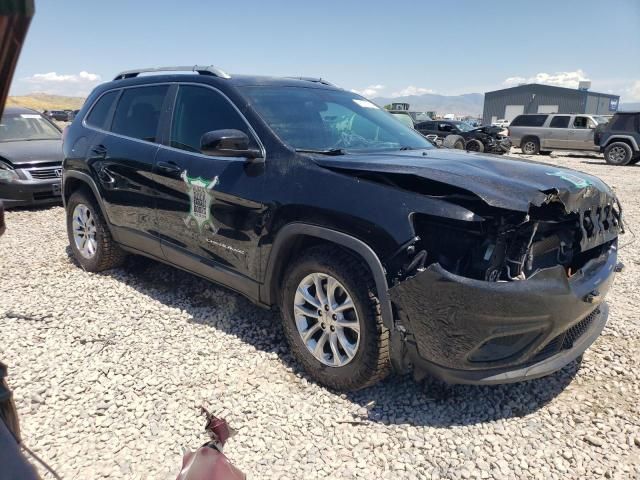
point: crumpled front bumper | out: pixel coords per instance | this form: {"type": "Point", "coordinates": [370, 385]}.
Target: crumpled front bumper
{"type": "Point", "coordinates": [470, 331]}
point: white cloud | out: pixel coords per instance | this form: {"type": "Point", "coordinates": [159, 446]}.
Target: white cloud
{"type": "Point", "coordinates": [378, 91]}
{"type": "Point", "coordinates": [633, 92]}
{"type": "Point", "coordinates": [412, 90]}
{"type": "Point", "coordinates": [370, 91]}
{"type": "Point", "coordinates": [63, 84]}
{"type": "Point", "coordinates": [559, 79]}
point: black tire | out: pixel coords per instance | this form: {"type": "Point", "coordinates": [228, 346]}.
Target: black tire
{"type": "Point", "coordinates": [475, 145]}
{"type": "Point", "coordinates": [454, 141]}
{"type": "Point", "coordinates": [618, 153]}
{"type": "Point", "coordinates": [530, 146]}
{"type": "Point", "coordinates": [107, 253]}
{"type": "Point", "coordinates": [370, 362]}
{"type": "Point", "coordinates": [545, 152]}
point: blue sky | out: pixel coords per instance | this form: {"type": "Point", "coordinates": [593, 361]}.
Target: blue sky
{"type": "Point", "coordinates": [375, 47]}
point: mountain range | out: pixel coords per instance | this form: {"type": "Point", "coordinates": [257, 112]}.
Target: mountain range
{"type": "Point", "coordinates": [467, 104]}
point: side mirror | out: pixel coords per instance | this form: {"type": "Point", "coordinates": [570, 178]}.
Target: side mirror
{"type": "Point", "coordinates": [228, 143]}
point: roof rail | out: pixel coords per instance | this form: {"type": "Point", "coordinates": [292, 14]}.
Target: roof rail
{"type": "Point", "coordinates": [202, 70]}
{"type": "Point", "coordinates": [314, 80]}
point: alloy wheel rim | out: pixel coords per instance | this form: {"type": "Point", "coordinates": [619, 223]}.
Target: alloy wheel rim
{"type": "Point", "coordinates": [617, 154]}
{"type": "Point", "coordinates": [529, 147]}
{"type": "Point", "coordinates": [84, 231]}
{"type": "Point", "coordinates": [326, 319]}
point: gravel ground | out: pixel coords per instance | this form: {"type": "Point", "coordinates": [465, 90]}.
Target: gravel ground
{"type": "Point", "coordinates": [109, 371]}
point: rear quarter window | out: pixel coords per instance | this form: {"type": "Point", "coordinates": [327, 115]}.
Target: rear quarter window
{"type": "Point", "coordinates": [529, 120]}
{"type": "Point", "coordinates": [624, 123]}
{"type": "Point", "coordinates": [99, 115]}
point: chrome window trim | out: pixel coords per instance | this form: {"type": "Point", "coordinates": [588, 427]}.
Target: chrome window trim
{"type": "Point", "coordinates": [168, 147]}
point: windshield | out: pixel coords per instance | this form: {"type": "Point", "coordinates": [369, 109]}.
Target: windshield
{"type": "Point", "coordinates": [325, 120]}
{"type": "Point", "coordinates": [26, 126]}
{"type": "Point", "coordinates": [464, 127]}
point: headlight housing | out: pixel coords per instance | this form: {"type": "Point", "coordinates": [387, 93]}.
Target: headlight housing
{"type": "Point", "coordinates": [7, 173]}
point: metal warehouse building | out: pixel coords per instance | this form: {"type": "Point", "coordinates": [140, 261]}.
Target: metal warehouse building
{"type": "Point", "coordinates": [535, 98]}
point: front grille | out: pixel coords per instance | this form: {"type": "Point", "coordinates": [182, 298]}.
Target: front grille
{"type": "Point", "coordinates": [45, 173]}
{"type": "Point", "coordinates": [574, 333]}
{"type": "Point", "coordinates": [566, 339]}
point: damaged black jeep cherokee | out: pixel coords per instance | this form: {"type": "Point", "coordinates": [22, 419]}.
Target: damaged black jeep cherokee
{"type": "Point", "coordinates": [381, 252]}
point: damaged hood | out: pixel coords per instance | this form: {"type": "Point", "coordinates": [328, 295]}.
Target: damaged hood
{"type": "Point", "coordinates": [502, 182]}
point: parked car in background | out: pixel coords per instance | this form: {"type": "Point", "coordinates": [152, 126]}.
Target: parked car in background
{"type": "Point", "coordinates": [381, 252]}
{"type": "Point", "coordinates": [58, 115]}
{"type": "Point", "coordinates": [30, 158]}
{"type": "Point", "coordinates": [619, 139]}
{"type": "Point", "coordinates": [420, 116]}
{"type": "Point", "coordinates": [500, 123]}
{"type": "Point", "coordinates": [541, 133]}
{"type": "Point", "coordinates": [404, 118]}
{"type": "Point", "coordinates": [461, 135]}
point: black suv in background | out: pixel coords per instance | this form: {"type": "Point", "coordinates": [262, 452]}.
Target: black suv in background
{"type": "Point", "coordinates": [461, 135]}
{"type": "Point", "coordinates": [381, 251]}
{"type": "Point", "coordinates": [619, 139]}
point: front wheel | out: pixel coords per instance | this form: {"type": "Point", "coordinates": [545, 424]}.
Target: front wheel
{"type": "Point", "coordinates": [475, 145]}
{"type": "Point", "coordinates": [331, 317]}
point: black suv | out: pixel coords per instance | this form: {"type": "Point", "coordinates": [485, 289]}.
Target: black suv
{"type": "Point", "coordinates": [381, 252]}
{"type": "Point", "coordinates": [619, 139]}
{"type": "Point", "coordinates": [461, 135]}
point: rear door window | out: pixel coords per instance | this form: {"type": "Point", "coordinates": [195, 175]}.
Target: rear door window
{"type": "Point", "coordinates": [100, 114]}
{"type": "Point", "coordinates": [529, 120]}
{"type": "Point", "coordinates": [426, 126]}
{"type": "Point", "coordinates": [559, 122]}
{"type": "Point", "coordinates": [138, 112]}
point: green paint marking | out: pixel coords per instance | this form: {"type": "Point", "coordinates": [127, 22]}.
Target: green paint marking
{"type": "Point", "coordinates": [575, 180]}
{"type": "Point", "coordinates": [200, 192]}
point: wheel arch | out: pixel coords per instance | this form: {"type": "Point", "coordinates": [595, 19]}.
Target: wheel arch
{"type": "Point", "coordinates": [73, 180]}
{"type": "Point", "coordinates": [292, 236]}
{"type": "Point", "coordinates": [628, 139]}
{"type": "Point", "coordinates": [535, 138]}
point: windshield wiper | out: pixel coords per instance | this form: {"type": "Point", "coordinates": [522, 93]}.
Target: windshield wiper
{"type": "Point", "coordinates": [330, 151]}
{"type": "Point", "coordinates": [407, 148]}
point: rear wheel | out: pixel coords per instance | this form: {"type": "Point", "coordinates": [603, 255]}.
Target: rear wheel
{"type": "Point", "coordinates": [530, 146]}
{"type": "Point", "coordinates": [331, 317]}
{"type": "Point", "coordinates": [91, 242]}
{"type": "Point", "coordinates": [618, 153]}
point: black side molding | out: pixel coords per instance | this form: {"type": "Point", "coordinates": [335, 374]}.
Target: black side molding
{"type": "Point", "coordinates": [86, 179]}
{"type": "Point", "coordinates": [292, 230]}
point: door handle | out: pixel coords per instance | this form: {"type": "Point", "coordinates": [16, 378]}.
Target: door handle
{"type": "Point", "coordinates": [169, 168]}
{"type": "Point", "coordinates": [99, 152]}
